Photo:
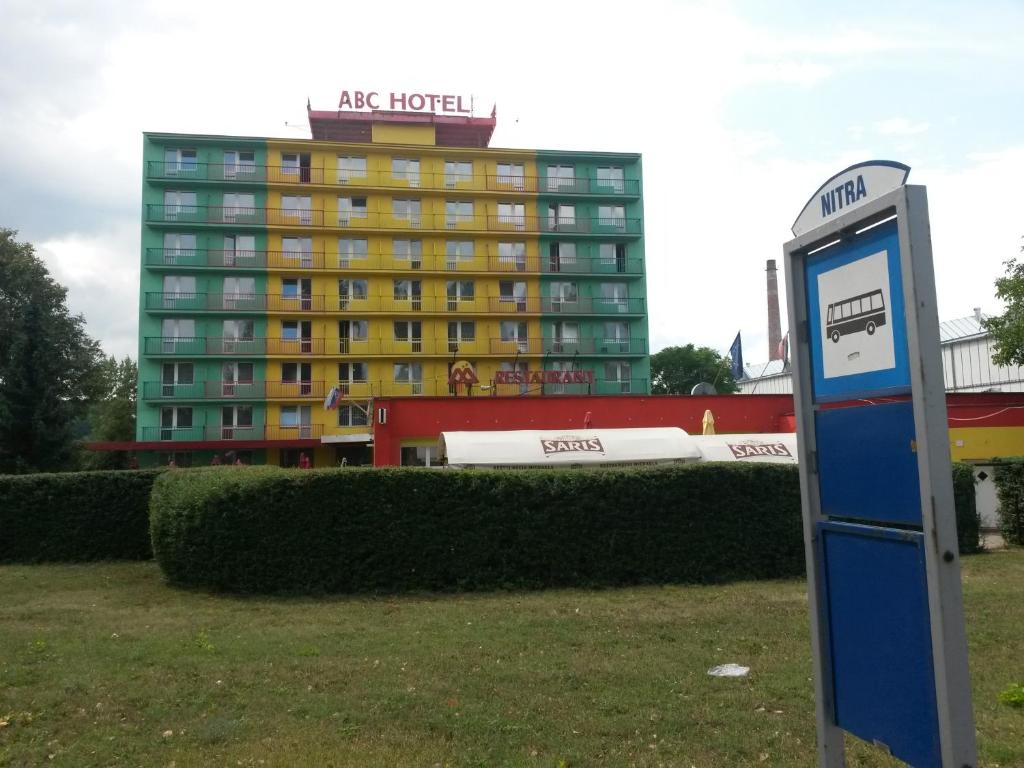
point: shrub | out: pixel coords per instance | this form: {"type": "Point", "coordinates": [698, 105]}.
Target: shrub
{"type": "Point", "coordinates": [1009, 480]}
{"type": "Point", "coordinates": [262, 529]}
{"type": "Point", "coordinates": [968, 521]}
{"type": "Point", "coordinates": [75, 516]}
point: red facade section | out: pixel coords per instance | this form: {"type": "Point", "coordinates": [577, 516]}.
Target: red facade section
{"type": "Point", "coordinates": [419, 418]}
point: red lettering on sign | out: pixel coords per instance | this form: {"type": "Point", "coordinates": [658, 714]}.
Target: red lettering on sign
{"type": "Point", "coordinates": [416, 101]}
{"type": "Point", "coordinates": [448, 103]}
{"type": "Point", "coordinates": [398, 101]}
{"type": "Point", "coordinates": [460, 107]}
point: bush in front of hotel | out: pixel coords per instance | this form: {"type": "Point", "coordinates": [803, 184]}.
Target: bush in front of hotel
{"type": "Point", "coordinates": [75, 516]}
{"type": "Point", "coordinates": [1009, 480]}
{"type": "Point", "coordinates": [262, 529]}
{"type": "Point", "coordinates": [968, 520]}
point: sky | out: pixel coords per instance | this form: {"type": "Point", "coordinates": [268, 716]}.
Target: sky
{"type": "Point", "coordinates": [741, 110]}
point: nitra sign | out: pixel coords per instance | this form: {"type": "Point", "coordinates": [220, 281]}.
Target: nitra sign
{"type": "Point", "coordinates": [848, 190]}
{"type": "Point", "coordinates": [883, 573]}
{"type": "Point", "coordinates": [406, 102]}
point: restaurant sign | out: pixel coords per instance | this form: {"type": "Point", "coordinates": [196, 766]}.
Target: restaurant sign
{"type": "Point", "coordinates": [544, 377]}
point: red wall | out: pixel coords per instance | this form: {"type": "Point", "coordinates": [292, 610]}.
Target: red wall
{"type": "Point", "coordinates": [411, 418]}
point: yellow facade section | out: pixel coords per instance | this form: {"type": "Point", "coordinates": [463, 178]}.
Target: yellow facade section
{"type": "Point", "coordinates": [403, 134]}
{"type": "Point", "coordinates": [979, 443]}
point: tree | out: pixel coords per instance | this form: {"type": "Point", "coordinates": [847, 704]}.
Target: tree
{"type": "Point", "coordinates": [48, 364]}
{"type": "Point", "coordinates": [112, 416]}
{"type": "Point", "coordinates": [1008, 328]}
{"type": "Point", "coordinates": [675, 370]}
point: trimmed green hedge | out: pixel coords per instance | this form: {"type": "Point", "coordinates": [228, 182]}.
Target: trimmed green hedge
{"type": "Point", "coordinates": [75, 516]}
{"type": "Point", "coordinates": [968, 520]}
{"type": "Point", "coordinates": [1009, 482]}
{"type": "Point", "coordinates": [262, 529]}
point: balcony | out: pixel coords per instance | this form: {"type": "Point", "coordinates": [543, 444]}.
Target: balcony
{"type": "Point", "coordinates": [263, 347]}
{"type": "Point", "coordinates": [596, 346]}
{"type": "Point", "coordinates": [260, 303]}
{"type": "Point", "coordinates": [599, 387]}
{"type": "Point", "coordinates": [157, 391]}
{"type": "Point", "coordinates": [173, 258]}
{"type": "Point", "coordinates": [374, 220]}
{"type": "Point", "coordinates": [246, 174]}
{"type": "Point", "coordinates": [229, 433]}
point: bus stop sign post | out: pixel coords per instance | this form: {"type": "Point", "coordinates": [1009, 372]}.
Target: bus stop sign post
{"type": "Point", "coordinates": [883, 573]}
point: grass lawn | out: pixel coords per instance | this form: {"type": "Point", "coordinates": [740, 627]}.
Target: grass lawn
{"type": "Point", "coordinates": [105, 665]}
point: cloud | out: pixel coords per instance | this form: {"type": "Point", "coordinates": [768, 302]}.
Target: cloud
{"type": "Point", "coordinates": [899, 126]}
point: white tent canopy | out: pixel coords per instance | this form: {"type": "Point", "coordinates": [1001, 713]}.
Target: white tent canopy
{"type": "Point", "coordinates": [774, 448]}
{"type": "Point", "coordinates": [568, 447]}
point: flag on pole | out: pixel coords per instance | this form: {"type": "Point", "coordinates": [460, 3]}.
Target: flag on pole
{"type": "Point", "coordinates": [736, 353]}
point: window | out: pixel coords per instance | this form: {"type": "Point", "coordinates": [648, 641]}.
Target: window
{"type": "Point", "coordinates": [563, 294]}
{"type": "Point", "coordinates": [351, 167]}
{"type": "Point", "coordinates": [179, 248]}
{"type": "Point", "coordinates": [353, 330]}
{"type": "Point", "coordinates": [515, 332]}
{"type": "Point", "coordinates": [297, 290]}
{"type": "Point", "coordinates": [352, 290]}
{"type": "Point", "coordinates": [511, 216]}
{"type": "Point", "coordinates": [561, 217]}
{"type": "Point", "coordinates": [613, 254]}
{"type": "Point", "coordinates": [460, 331]}
{"type": "Point", "coordinates": [178, 287]}
{"type": "Point", "coordinates": [411, 250]}
{"type": "Point", "coordinates": [565, 337]}
{"type": "Point", "coordinates": [560, 388]}
{"type": "Point", "coordinates": [351, 248]}
{"type": "Point", "coordinates": [405, 168]}
{"type": "Point", "coordinates": [298, 374]}
{"type": "Point", "coordinates": [236, 422]}
{"type": "Point", "coordinates": [420, 456]}
{"type": "Point", "coordinates": [407, 290]}
{"type": "Point", "coordinates": [297, 207]}
{"type": "Point", "coordinates": [239, 292]}
{"type": "Point", "coordinates": [611, 176]}
{"type": "Point", "coordinates": [616, 337]}
{"type": "Point", "coordinates": [296, 165]}
{"type": "Point", "coordinates": [297, 251]}
{"type": "Point", "coordinates": [295, 419]}
{"type": "Point", "coordinates": [354, 415]}
{"type": "Point", "coordinates": [175, 419]}
{"type": "Point", "coordinates": [459, 291]}
{"type": "Point", "coordinates": [561, 177]}
{"type": "Point", "coordinates": [408, 331]}
{"type": "Point", "coordinates": [234, 374]}
{"type": "Point", "coordinates": [511, 175]}
{"type": "Point", "coordinates": [562, 257]}
{"type": "Point", "coordinates": [407, 210]}
{"type": "Point", "coordinates": [617, 374]}
{"type": "Point", "coordinates": [349, 374]}
{"type": "Point", "coordinates": [176, 378]}
{"type": "Point", "coordinates": [177, 332]}
{"type": "Point", "coordinates": [513, 290]}
{"type": "Point", "coordinates": [611, 216]}
{"type": "Point", "coordinates": [616, 295]}
{"type": "Point", "coordinates": [456, 171]}
{"type": "Point", "coordinates": [458, 250]}
{"type": "Point", "coordinates": [457, 212]}
{"type": "Point", "coordinates": [351, 208]}
{"type": "Point", "coordinates": [512, 255]}
{"type": "Point", "coordinates": [239, 250]}
{"type": "Point", "coordinates": [238, 206]}
{"type": "Point", "coordinates": [180, 161]}
{"type": "Point", "coordinates": [239, 164]}
{"type": "Point", "coordinates": [410, 373]}
{"type": "Point", "coordinates": [179, 206]}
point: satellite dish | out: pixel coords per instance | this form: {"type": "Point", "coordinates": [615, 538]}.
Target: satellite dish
{"type": "Point", "coordinates": [703, 389]}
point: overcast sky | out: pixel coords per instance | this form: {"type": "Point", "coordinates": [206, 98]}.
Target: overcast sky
{"type": "Point", "coordinates": [741, 111]}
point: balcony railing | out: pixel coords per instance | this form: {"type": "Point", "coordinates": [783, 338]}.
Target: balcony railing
{"type": "Point", "coordinates": [234, 433]}
{"type": "Point", "coordinates": [610, 226]}
{"type": "Point", "coordinates": [236, 390]}
{"type": "Point", "coordinates": [595, 346]}
{"type": "Point", "coordinates": [599, 386]}
{"type": "Point", "coordinates": [243, 174]}
{"type": "Point", "coordinates": [289, 260]}
{"type": "Point", "coordinates": [259, 303]}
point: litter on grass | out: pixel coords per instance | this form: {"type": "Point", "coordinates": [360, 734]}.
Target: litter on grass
{"type": "Point", "coordinates": [728, 670]}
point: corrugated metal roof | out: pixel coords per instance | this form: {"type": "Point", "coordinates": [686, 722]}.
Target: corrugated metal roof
{"type": "Point", "coordinates": [760, 370]}
{"type": "Point", "coordinates": [961, 328]}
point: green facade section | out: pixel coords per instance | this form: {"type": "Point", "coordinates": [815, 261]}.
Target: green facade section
{"type": "Point", "coordinates": [185, 248]}
{"type": "Point", "coordinates": [593, 275]}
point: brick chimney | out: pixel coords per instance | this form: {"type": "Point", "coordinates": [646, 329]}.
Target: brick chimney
{"type": "Point", "coordinates": [774, 321]}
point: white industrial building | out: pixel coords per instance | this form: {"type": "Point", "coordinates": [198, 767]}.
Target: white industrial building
{"type": "Point", "coordinates": [967, 363]}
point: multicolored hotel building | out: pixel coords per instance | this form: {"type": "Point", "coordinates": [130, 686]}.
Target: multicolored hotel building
{"type": "Point", "coordinates": [388, 251]}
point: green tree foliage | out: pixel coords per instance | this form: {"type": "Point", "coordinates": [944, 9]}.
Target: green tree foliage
{"type": "Point", "coordinates": [675, 370]}
{"type": "Point", "coordinates": [1008, 328]}
{"type": "Point", "coordinates": [112, 416]}
{"type": "Point", "coordinates": [48, 364]}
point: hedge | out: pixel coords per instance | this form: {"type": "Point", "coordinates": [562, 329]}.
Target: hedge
{"type": "Point", "coordinates": [968, 520]}
{"type": "Point", "coordinates": [262, 529]}
{"type": "Point", "coordinates": [1009, 480]}
{"type": "Point", "coordinates": [75, 516]}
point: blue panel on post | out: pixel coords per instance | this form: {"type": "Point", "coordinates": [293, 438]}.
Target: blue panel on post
{"type": "Point", "coordinates": [867, 463]}
{"type": "Point", "coordinates": [880, 638]}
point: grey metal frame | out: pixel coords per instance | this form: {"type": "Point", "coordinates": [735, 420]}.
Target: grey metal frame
{"type": "Point", "coordinates": [945, 603]}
